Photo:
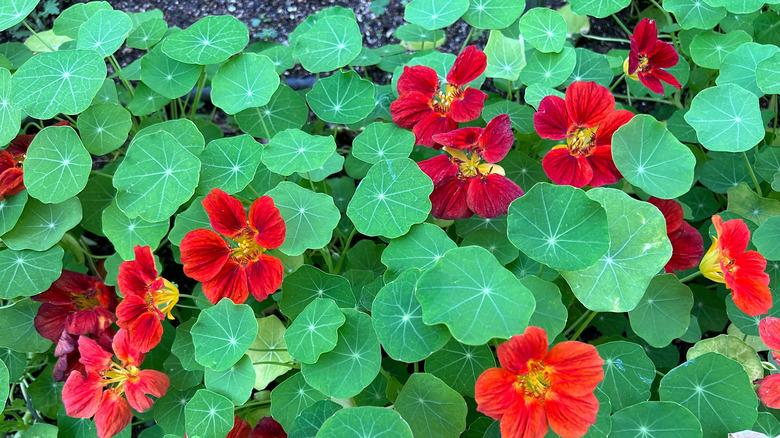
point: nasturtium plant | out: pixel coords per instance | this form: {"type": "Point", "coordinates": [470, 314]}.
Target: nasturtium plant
{"type": "Point", "coordinates": [325, 222]}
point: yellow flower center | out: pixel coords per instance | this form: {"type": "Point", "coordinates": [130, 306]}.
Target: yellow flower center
{"type": "Point", "coordinates": [248, 250]}
{"type": "Point", "coordinates": [537, 382]}
{"type": "Point", "coordinates": [581, 141]}
{"type": "Point", "coordinates": [442, 100]}
{"type": "Point", "coordinates": [165, 299]}
{"type": "Point", "coordinates": [471, 165]}
{"type": "Point", "coordinates": [84, 302]}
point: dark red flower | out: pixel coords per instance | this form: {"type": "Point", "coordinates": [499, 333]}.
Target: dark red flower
{"type": "Point", "coordinates": [744, 272]}
{"type": "Point", "coordinates": [687, 244]}
{"type": "Point", "coordinates": [649, 57]}
{"type": "Point", "coordinates": [149, 298]}
{"type": "Point", "coordinates": [267, 427]}
{"type": "Point", "coordinates": [234, 272]}
{"type": "Point", "coordinates": [98, 391]}
{"type": "Point", "coordinates": [240, 428]}
{"type": "Point", "coordinates": [586, 118]}
{"type": "Point", "coordinates": [424, 108]}
{"type": "Point", "coordinates": [463, 184]}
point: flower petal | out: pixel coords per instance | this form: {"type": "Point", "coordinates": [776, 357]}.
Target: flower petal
{"type": "Point", "coordinates": [89, 321]}
{"type": "Point", "coordinates": [226, 213]}
{"type": "Point", "coordinates": [93, 356]}
{"type": "Point", "coordinates": [430, 125]}
{"type": "Point", "coordinates": [515, 353]}
{"type": "Point", "coordinates": [11, 182]}
{"type": "Point", "coordinates": [469, 106]}
{"type": "Point", "coordinates": [146, 382]}
{"type": "Point", "coordinates": [687, 248]}
{"type": "Point", "coordinates": [575, 368]}
{"type": "Point", "coordinates": [264, 276]}
{"type": "Point", "coordinates": [50, 320]}
{"type": "Point", "coordinates": [733, 236]}
{"type": "Point", "coordinates": [448, 199]}
{"type": "Point", "coordinates": [650, 80]}
{"type": "Point", "coordinates": [439, 168]}
{"type": "Point", "coordinates": [645, 36]}
{"type": "Point", "coordinates": [264, 217]}
{"type": "Point", "coordinates": [564, 168]}
{"type": "Point", "coordinates": [769, 330]}
{"type": "Point", "coordinates": [662, 55]}
{"type": "Point", "coordinates": [604, 170]}
{"type": "Point", "coordinates": [495, 392]}
{"type": "Point", "coordinates": [240, 428]}
{"type": "Point", "coordinates": [229, 283]}
{"type": "Point", "coordinates": [769, 391]}
{"type": "Point", "coordinates": [667, 77]}
{"type": "Point", "coordinates": [135, 276]}
{"type": "Point", "coordinates": [672, 211]}
{"type": "Point", "coordinates": [491, 195]}
{"type": "Point", "coordinates": [749, 283]}
{"type": "Point", "coordinates": [81, 395]}
{"type": "Point", "coordinates": [471, 63]}
{"type": "Point", "coordinates": [588, 104]}
{"type": "Point", "coordinates": [142, 323]}
{"type": "Point", "coordinates": [113, 415]}
{"type": "Point", "coordinates": [267, 427]}
{"type": "Point", "coordinates": [418, 78]}
{"type": "Point", "coordinates": [525, 419]}
{"type": "Point", "coordinates": [551, 120]}
{"type": "Point", "coordinates": [609, 125]}
{"type": "Point", "coordinates": [497, 139]}
{"type": "Point", "coordinates": [126, 349]}
{"type": "Point", "coordinates": [410, 108]}
{"type": "Point", "coordinates": [463, 138]}
{"type": "Point", "coordinates": [203, 254]}
{"type": "Point", "coordinates": [570, 416]}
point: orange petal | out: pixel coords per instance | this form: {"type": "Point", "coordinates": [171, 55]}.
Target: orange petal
{"type": "Point", "coordinates": [515, 353]}
{"type": "Point", "coordinates": [575, 368]}
{"type": "Point", "coordinates": [495, 392]}
{"type": "Point", "coordinates": [570, 416]}
{"type": "Point", "coordinates": [525, 419]}
{"type": "Point", "coordinates": [113, 415]}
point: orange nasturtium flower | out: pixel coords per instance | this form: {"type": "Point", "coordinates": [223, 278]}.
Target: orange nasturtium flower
{"type": "Point", "coordinates": [742, 271]}
{"type": "Point", "coordinates": [535, 387]}
{"type": "Point", "coordinates": [769, 387]}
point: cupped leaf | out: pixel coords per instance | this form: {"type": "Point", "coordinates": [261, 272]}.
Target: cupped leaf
{"type": "Point", "coordinates": [505, 56]}
{"type": "Point", "coordinates": [291, 397]}
{"type": "Point", "coordinates": [591, 66]}
{"type": "Point", "coordinates": [431, 408]}
{"type": "Point", "coordinates": [709, 49]}
{"type": "Point", "coordinates": [363, 422]}
{"type": "Point", "coordinates": [58, 82]}
{"type": "Point", "coordinates": [392, 197]}
{"type": "Point", "coordinates": [420, 248]}
{"type": "Point", "coordinates": [10, 118]}
{"type": "Point", "coordinates": [167, 76]}
{"type": "Point", "coordinates": [493, 14]}
{"type": "Point", "coordinates": [26, 273]}
{"type": "Point", "coordinates": [104, 32]}
{"type": "Point", "coordinates": [208, 414]}
{"type": "Point", "coordinates": [639, 248]}
{"type": "Point", "coordinates": [726, 118]}
{"type": "Point", "coordinates": [70, 20]}
{"type": "Point", "coordinates": [550, 314]}
{"type": "Point", "coordinates": [435, 14]}
{"type": "Point", "coordinates": [57, 165]}
{"type": "Point", "coordinates": [343, 97]}
{"type": "Point", "coordinates": [628, 373]}
{"type": "Point", "coordinates": [768, 74]}
{"type": "Point", "coordinates": [210, 40]}
{"type": "Point", "coordinates": [125, 232]}
{"type": "Point", "coordinates": [733, 348]}
{"type": "Point", "coordinates": [310, 420]}
{"type": "Point", "coordinates": [235, 383]}
{"type": "Point", "coordinates": [184, 131]}
{"type": "Point", "coordinates": [651, 158]}
{"type": "Point", "coordinates": [544, 29]}
{"type": "Point", "coordinates": [286, 110]}
{"type": "Point", "coordinates": [246, 81]}
{"type": "Point", "coordinates": [296, 151]}
{"type": "Point", "coordinates": [331, 43]}
{"type": "Point", "coordinates": [474, 296]}
{"type": "Point", "coordinates": [460, 365]}
{"type": "Point", "coordinates": [738, 6]}
{"type": "Point", "coordinates": [269, 351]}
{"type": "Point", "coordinates": [663, 314]}
{"type": "Point", "coordinates": [13, 12]}
{"type": "Point", "coordinates": [169, 410]}
{"type": "Point", "coordinates": [548, 69]}
{"type": "Point", "coordinates": [11, 208]}
{"type": "Point", "coordinates": [692, 14]}
{"type": "Point", "coordinates": [314, 331]}
{"type": "Point", "coordinates": [559, 226]}
{"type": "Point", "coordinates": [723, 171]}
{"type": "Point", "coordinates": [307, 284]}
{"type": "Point", "coordinates": [18, 330]}
{"type": "Point", "coordinates": [740, 66]}
{"type": "Point", "coordinates": [41, 226]}
{"type": "Point", "coordinates": [748, 204]}
{"type": "Point", "coordinates": [229, 164]}
{"type": "Point", "coordinates": [183, 348]}
{"type": "Point", "coordinates": [146, 101]}
{"type": "Point", "coordinates": [147, 34]}
{"type": "Point", "coordinates": [382, 141]}
{"type": "Point", "coordinates": [104, 127]}
{"type": "Point", "coordinates": [598, 8]}
{"type": "Point", "coordinates": [767, 238]}
{"type": "Point", "coordinates": [223, 333]}
{"type": "Point", "coordinates": [654, 419]}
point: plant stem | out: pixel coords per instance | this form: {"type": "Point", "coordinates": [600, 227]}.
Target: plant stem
{"type": "Point", "coordinates": [648, 99]}
{"type": "Point", "coordinates": [601, 38]}
{"type": "Point", "coordinates": [541, 270]}
{"type": "Point", "coordinates": [193, 297]}
{"type": "Point", "coordinates": [45, 43]}
{"type": "Point", "coordinates": [690, 277]}
{"type": "Point", "coordinates": [466, 42]}
{"type": "Point", "coordinates": [617, 82]}
{"type": "Point", "coordinates": [509, 91]}
{"type": "Point", "coordinates": [344, 250]}
{"type": "Point", "coordinates": [262, 122]}
{"type": "Point", "coordinates": [327, 257]}
{"type": "Point", "coordinates": [584, 325]}
{"type": "Point", "coordinates": [118, 71]}
{"type": "Point", "coordinates": [752, 175]}
{"type": "Point", "coordinates": [622, 26]}
{"type": "Point", "coordinates": [27, 401]}
{"type": "Point", "coordinates": [198, 92]}
{"type": "Point", "coordinates": [283, 364]}
{"type": "Point", "coordinates": [104, 175]}
{"type": "Point", "coordinates": [267, 349]}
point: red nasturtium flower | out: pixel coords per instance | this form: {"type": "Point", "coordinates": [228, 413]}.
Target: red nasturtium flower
{"type": "Point", "coordinates": [586, 118]}
{"type": "Point", "coordinates": [235, 271]}
{"type": "Point", "coordinates": [240, 428]}
{"type": "Point", "coordinates": [99, 390]}
{"type": "Point", "coordinates": [427, 110]}
{"type": "Point", "coordinates": [687, 244]}
{"type": "Point", "coordinates": [649, 57]}
{"type": "Point", "coordinates": [769, 387]}
{"type": "Point", "coordinates": [267, 427]}
{"type": "Point", "coordinates": [149, 298]}
{"type": "Point", "coordinates": [535, 387]}
{"type": "Point", "coordinates": [11, 161]}
{"type": "Point", "coordinates": [742, 271]}
{"type": "Point", "coordinates": [468, 181]}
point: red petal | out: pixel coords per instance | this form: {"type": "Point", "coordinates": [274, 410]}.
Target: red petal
{"type": "Point", "coordinates": [135, 276]}
{"type": "Point", "coordinates": [575, 368]}
{"type": "Point", "coordinates": [687, 248]}
{"type": "Point", "coordinates": [81, 395]}
{"type": "Point", "coordinates": [432, 124]}
{"type": "Point", "coordinates": [497, 139]}
{"type": "Point", "coordinates": [749, 283]}
{"type": "Point", "coordinates": [142, 323]}
{"type": "Point", "coordinates": [515, 353]}
{"type": "Point", "coordinates": [733, 236]}
{"type": "Point", "coordinates": [264, 217]}
{"type": "Point", "coordinates": [113, 415]}
{"type": "Point", "coordinates": [146, 382]}
{"type": "Point", "coordinates": [609, 125]}
{"type": "Point", "coordinates": [469, 106]}
{"type": "Point", "coordinates": [6, 161]}
{"type": "Point", "coordinates": [267, 427]}
{"type": "Point", "coordinates": [11, 182]}
{"type": "Point", "coordinates": [449, 199]}
{"type": "Point", "coordinates": [667, 77]}
{"type": "Point", "coordinates": [769, 329]}
{"type": "Point", "coordinates": [89, 322]}
{"type": "Point", "coordinates": [226, 213]}
{"type": "Point", "coordinates": [126, 350]}
{"type": "Point", "coordinates": [604, 170]}
{"type": "Point", "coordinates": [229, 283]}
{"type": "Point", "coordinates": [769, 391]}
{"type": "Point", "coordinates": [419, 78]}
{"type": "Point", "coordinates": [50, 320]}
{"type": "Point", "coordinates": [66, 365]}
{"type": "Point", "coordinates": [471, 63]}
{"type": "Point", "coordinates": [645, 36]}
{"type": "Point", "coordinates": [439, 168]}
{"type": "Point", "coordinates": [588, 104]}
{"type": "Point", "coordinates": [491, 195]}
{"type": "Point", "coordinates": [463, 138]}
{"type": "Point", "coordinates": [19, 145]}
{"type": "Point", "coordinates": [662, 55]}
{"type": "Point", "coordinates": [651, 81]}
{"type": "Point", "coordinates": [240, 428]}
{"type": "Point", "coordinates": [264, 276]}
{"type": "Point", "coordinates": [203, 254]}
{"type": "Point", "coordinates": [525, 419]}
{"type": "Point", "coordinates": [672, 211]}
{"type": "Point", "coordinates": [551, 120]}
{"type": "Point", "coordinates": [570, 416]}
{"type": "Point", "coordinates": [566, 169]}
{"type": "Point", "coordinates": [410, 108]}
{"type": "Point", "coordinates": [495, 392]}
{"type": "Point", "coordinates": [93, 356]}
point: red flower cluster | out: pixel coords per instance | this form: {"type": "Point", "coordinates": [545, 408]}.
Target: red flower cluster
{"type": "Point", "coordinates": [535, 387]}
{"type": "Point", "coordinates": [100, 388]}
{"type": "Point", "coordinates": [586, 118]}
{"type": "Point", "coordinates": [687, 244]}
{"type": "Point", "coordinates": [235, 271]}
{"type": "Point", "coordinates": [463, 184]}
{"type": "Point", "coordinates": [426, 110]}
{"type": "Point", "coordinates": [742, 271]}
{"type": "Point", "coordinates": [267, 427]}
{"type": "Point", "coordinates": [769, 387]}
{"type": "Point", "coordinates": [649, 57]}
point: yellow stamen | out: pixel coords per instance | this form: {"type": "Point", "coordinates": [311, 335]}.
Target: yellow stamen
{"type": "Point", "coordinates": [167, 298]}
{"type": "Point", "coordinates": [581, 141]}
{"type": "Point", "coordinates": [470, 165]}
{"type": "Point", "coordinates": [248, 250]}
{"type": "Point", "coordinates": [537, 382]}
{"type": "Point", "coordinates": [710, 265]}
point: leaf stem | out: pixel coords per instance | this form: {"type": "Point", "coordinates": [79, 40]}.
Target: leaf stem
{"type": "Point", "coordinates": [327, 257]}
{"type": "Point", "coordinates": [610, 39]}
{"type": "Point", "coordinates": [267, 349]}
{"type": "Point", "coordinates": [198, 92]}
{"type": "Point", "coordinates": [541, 270]}
{"type": "Point", "coordinates": [344, 250]}
{"type": "Point", "coordinates": [647, 99]}
{"type": "Point", "coordinates": [262, 122]}
{"type": "Point", "coordinates": [752, 175]}
{"type": "Point", "coordinates": [466, 42]}
{"type": "Point", "coordinates": [283, 364]}
{"type": "Point", "coordinates": [193, 297]}
{"type": "Point", "coordinates": [33, 412]}
{"type": "Point", "coordinates": [690, 277]}
{"type": "Point", "coordinates": [622, 26]}
{"type": "Point", "coordinates": [583, 326]}
{"type": "Point", "coordinates": [509, 91]}
{"type": "Point", "coordinates": [617, 82]}
{"type": "Point", "coordinates": [115, 64]}
{"type": "Point", "coordinates": [45, 43]}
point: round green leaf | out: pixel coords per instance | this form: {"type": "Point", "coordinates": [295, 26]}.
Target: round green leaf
{"type": "Point", "coordinates": [639, 248]}
{"type": "Point", "coordinates": [651, 158]}
{"type": "Point", "coordinates": [397, 318]}
{"type": "Point", "coordinates": [229, 164]}
{"type": "Point", "coordinates": [628, 373]}
{"type": "Point", "coordinates": [332, 165]}
{"type": "Point", "coordinates": [544, 29]}
{"type": "Point", "coordinates": [494, 241]}
{"type": "Point", "coordinates": [716, 390]}
{"type": "Point", "coordinates": [70, 20]}
{"type": "Point", "coordinates": [290, 398]}
{"type": "Point", "coordinates": [167, 76]}
{"type": "Point", "coordinates": [549, 69]}
{"type": "Point", "coordinates": [598, 8]}
{"type": "Point", "coordinates": [550, 314]}
{"type": "Point", "coordinates": [591, 66]}
{"type": "Point", "coordinates": [460, 365]}
{"type": "Point", "coordinates": [382, 141]}
{"type": "Point", "coordinates": [692, 14]}
{"type": "Point", "coordinates": [505, 56]}
{"type": "Point", "coordinates": [310, 217]}
{"type": "Point", "coordinates": [476, 297]}
{"type": "Point", "coordinates": [726, 118]}
{"type": "Point", "coordinates": [41, 226]}
{"type": "Point", "coordinates": [558, 226]}
{"type": "Point", "coordinates": [702, 203]}
{"type": "Point", "coordinates": [147, 34]}
{"type": "Point", "coordinates": [522, 118]}
{"type": "Point", "coordinates": [739, 6]}
{"type": "Point", "coordinates": [184, 131]}
{"type": "Point", "coordinates": [210, 40]}
{"type": "Point", "coordinates": [663, 314]}
{"type": "Point", "coordinates": [435, 14]}
{"type": "Point", "coordinates": [181, 378]}
{"type": "Point", "coordinates": [536, 92]}
{"type": "Point", "coordinates": [493, 14]}
{"type": "Point", "coordinates": [10, 118]}
{"type": "Point", "coordinates": [104, 127]}
{"type": "Point", "coordinates": [26, 273]}
{"type": "Point", "coordinates": [17, 331]}
{"type": "Point", "coordinates": [343, 97]}
{"type": "Point", "coordinates": [57, 165]}
{"type": "Point", "coordinates": [14, 11]}
{"type": "Point", "coordinates": [723, 171]}
{"type": "Point", "coordinates": [740, 67]}
{"type": "Point", "coordinates": [169, 410]}
{"type": "Point", "coordinates": [310, 419]}
{"type": "Point", "coordinates": [767, 238]}
{"type": "Point", "coordinates": [768, 74]}
{"type": "Point", "coordinates": [125, 232]}
{"type": "Point", "coordinates": [331, 43]}
{"type": "Point", "coordinates": [58, 82]}
{"type": "Point", "coordinates": [104, 32]}
{"type": "Point", "coordinates": [353, 364]}
{"type": "Point", "coordinates": [156, 177]}
{"type": "Point", "coordinates": [391, 198]}
{"type": "Point", "coordinates": [183, 348]}
{"type": "Point", "coordinates": [246, 81]}
{"type": "Point", "coordinates": [208, 414]}
{"type": "Point", "coordinates": [709, 49]}
{"type": "Point", "coordinates": [308, 283]}
{"type": "Point", "coordinates": [235, 383]}
{"type": "Point", "coordinates": [281, 56]}
{"type": "Point", "coordinates": [431, 408]}
{"type": "Point", "coordinates": [269, 350]}
{"type": "Point", "coordinates": [654, 419]}
{"type": "Point", "coordinates": [296, 151]}
{"type": "Point", "coordinates": [146, 101]}
{"type": "Point", "coordinates": [746, 203]}
{"type": "Point", "coordinates": [223, 333]}
{"type": "Point", "coordinates": [11, 208]}
{"type": "Point", "coordinates": [420, 248]}
{"type": "Point", "coordinates": [286, 110]}
{"type": "Point", "coordinates": [314, 331]}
